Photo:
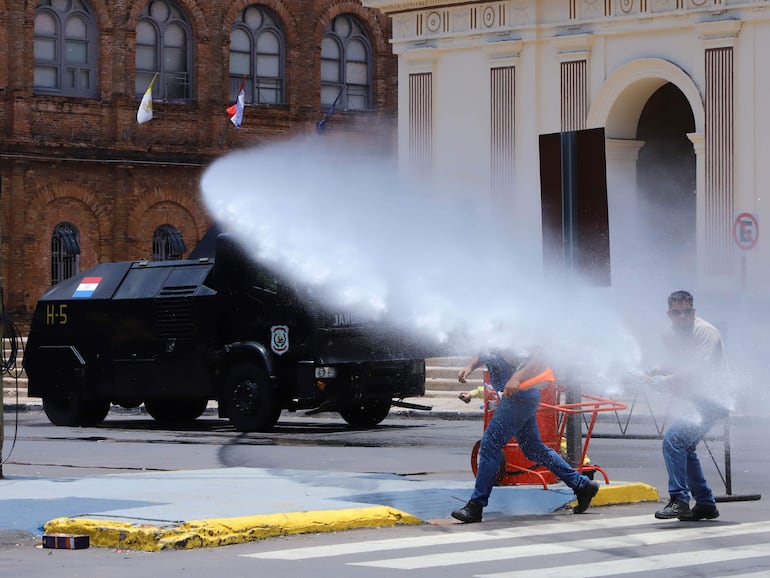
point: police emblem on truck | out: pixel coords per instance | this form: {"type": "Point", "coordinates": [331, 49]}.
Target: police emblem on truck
{"type": "Point", "coordinates": [279, 339]}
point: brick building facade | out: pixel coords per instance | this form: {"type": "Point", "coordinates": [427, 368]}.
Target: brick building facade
{"type": "Point", "coordinates": [72, 152]}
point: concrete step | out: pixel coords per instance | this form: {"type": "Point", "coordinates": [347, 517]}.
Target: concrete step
{"type": "Point", "coordinates": [457, 362]}
{"type": "Point", "coordinates": [441, 374]}
{"type": "Point", "coordinates": [439, 384]}
{"type": "Point", "coordinates": [450, 373]}
{"type": "Point", "coordinates": [16, 369]}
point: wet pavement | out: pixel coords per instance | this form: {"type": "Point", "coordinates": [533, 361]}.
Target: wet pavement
{"type": "Point", "coordinates": [204, 508]}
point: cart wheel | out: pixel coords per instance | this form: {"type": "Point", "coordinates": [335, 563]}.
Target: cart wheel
{"type": "Point", "coordinates": [475, 463]}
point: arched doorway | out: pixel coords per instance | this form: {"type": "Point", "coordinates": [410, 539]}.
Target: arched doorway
{"type": "Point", "coordinates": [654, 121]}
{"type": "Point", "coordinates": [666, 185]}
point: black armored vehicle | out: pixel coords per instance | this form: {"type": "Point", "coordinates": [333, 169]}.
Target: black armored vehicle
{"type": "Point", "coordinates": [175, 334]}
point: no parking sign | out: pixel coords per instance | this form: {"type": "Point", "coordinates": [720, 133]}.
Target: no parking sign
{"type": "Point", "coordinates": [746, 231]}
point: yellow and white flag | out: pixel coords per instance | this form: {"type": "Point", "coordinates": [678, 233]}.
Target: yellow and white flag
{"type": "Point", "coordinates": [145, 107]}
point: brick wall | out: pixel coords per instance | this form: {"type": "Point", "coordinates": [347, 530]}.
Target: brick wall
{"type": "Point", "coordinates": [86, 161]}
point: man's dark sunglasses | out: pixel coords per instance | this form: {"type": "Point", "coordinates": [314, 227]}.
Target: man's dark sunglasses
{"type": "Point", "coordinates": [680, 312]}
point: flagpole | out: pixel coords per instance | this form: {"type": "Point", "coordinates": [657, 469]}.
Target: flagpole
{"type": "Point", "coordinates": [321, 125]}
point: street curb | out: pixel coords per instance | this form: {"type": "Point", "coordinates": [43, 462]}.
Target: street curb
{"type": "Point", "coordinates": [623, 493]}
{"type": "Point", "coordinates": [225, 531]}
{"type": "Point", "coordinates": [215, 532]}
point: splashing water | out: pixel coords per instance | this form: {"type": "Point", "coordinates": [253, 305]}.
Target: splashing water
{"type": "Point", "coordinates": [447, 268]}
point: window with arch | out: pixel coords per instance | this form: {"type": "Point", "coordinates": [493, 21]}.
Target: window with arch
{"type": "Point", "coordinates": [163, 45]}
{"type": "Point", "coordinates": [167, 244]}
{"type": "Point", "coordinates": [346, 65]}
{"type": "Point", "coordinates": [257, 49]}
{"type": "Point", "coordinates": [65, 48]}
{"type": "Point", "coordinates": [65, 252]}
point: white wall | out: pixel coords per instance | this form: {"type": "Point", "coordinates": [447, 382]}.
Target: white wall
{"type": "Point", "coordinates": [611, 43]}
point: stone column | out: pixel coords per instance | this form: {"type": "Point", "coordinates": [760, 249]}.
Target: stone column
{"type": "Point", "coordinates": [622, 202]}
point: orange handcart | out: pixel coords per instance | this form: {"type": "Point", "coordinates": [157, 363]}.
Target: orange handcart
{"type": "Point", "coordinates": [515, 468]}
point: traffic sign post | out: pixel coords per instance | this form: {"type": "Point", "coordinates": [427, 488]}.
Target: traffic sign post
{"type": "Point", "coordinates": [746, 231]}
{"type": "Point", "coordinates": [746, 235]}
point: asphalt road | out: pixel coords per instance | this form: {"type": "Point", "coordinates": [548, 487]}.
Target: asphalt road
{"type": "Point", "coordinates": [418, 447]}
{"type": "Point", "coordinates": [131, 442]}
{"type": "Point", "coordinates": [413, 448]}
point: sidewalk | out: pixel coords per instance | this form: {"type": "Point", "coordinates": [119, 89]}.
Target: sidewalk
{"type": "Point", "coordinates": [206, 508]}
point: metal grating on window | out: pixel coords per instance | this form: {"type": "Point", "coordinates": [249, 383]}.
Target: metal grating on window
{"type": "Point", "coordinates": [65, 253]}
{"type": "Point", "coordinates": [167, 244]}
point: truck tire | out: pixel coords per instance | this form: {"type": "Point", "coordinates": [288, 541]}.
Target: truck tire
{"type": "Point", "coordinates": [75, 411]}
{"type": "Point", "coordinates": [250, 400]}
{"type": "Point", "coordinates": [176, 411]}
{"type": "Point", "coordinates": [366, 413]}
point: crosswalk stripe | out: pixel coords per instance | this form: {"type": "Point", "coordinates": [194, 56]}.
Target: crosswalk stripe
{"type": "Point", "coordinates": [656, 562]}
{"type": "Point", "coordinates": [688, 532]}
{"type": "Point", "coordinates": [584, 524]}
{"type": "Point", "coordinates": [760, 574]}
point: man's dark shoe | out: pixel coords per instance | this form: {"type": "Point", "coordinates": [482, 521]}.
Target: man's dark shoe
{"type": "Point", "coordinates": [584, 497]}
{"type": "Point", "coordinates": [674, 509]}
{"type": "Point", "coordinates": [700, 512]}
{"type": "Point", "coordinates": [470, 512]}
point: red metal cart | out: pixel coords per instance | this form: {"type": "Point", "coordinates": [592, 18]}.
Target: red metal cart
{"type": "Point", "coordinates": [515, 468]}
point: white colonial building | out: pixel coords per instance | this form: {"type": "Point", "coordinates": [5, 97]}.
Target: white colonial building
{"type": "Point", "coordinates": [680, 88]}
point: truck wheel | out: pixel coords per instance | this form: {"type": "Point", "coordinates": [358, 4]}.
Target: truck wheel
{"type": "Point", "coordinates": [175, 411]}
{"type": "Point", "coordinates": [75, 412]}
{"type": "Point", "coordinates": [366, 413]}
{"type": "Point", "coordinates": [251, 402]}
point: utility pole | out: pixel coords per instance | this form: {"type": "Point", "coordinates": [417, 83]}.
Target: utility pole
{"type": "Point", "coordinates": [2, 341]}
{"type": "Point", "coordinates": [573, 181]}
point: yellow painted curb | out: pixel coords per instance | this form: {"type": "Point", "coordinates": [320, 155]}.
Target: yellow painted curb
{"type": "Point", "coordinates": [623, 493]}
{"type": "Point", "coordinates": [224, 531]}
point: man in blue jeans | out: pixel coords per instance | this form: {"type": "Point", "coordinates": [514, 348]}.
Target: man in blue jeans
{"type": "Point", "coordinates": [693, 371]}
{"type": "Point", "coordinates": [515, 416]}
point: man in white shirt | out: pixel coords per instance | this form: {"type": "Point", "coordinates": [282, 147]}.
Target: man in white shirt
{"type": "Point", "coordinates": [693, 371]}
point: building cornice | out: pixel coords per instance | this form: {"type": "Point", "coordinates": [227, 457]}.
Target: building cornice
{"type": "Point", "coordinates": [457, 24]}
{"type": "Point", "coordinates": [719, 34]}
{"type": "Point", "coordinates": [390, 7]}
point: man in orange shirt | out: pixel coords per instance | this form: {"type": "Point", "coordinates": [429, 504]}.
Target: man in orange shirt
{"type": "Point", "coordinates": [518, 380]}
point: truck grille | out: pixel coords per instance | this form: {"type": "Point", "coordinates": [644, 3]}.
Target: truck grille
{"type": "Point", "coordinates": [178, 290]}
{"type": "Point", "coordinates": [174, 318]}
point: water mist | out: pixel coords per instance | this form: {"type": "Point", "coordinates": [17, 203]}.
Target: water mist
{"type": "Point", "coordinates": [441, 266]}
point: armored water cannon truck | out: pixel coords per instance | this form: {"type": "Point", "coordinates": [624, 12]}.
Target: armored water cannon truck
{"type": "Point", "coordinates": [174, 335]}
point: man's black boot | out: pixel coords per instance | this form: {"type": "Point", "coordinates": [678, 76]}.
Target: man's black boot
{"type": "Point", "coordinates": [470, 512]}
{"type": "Point", "coordinates": [674, 509]}
{"type": "Point", "coordinates": [700, 512]}
{"type": "Point", "coordinates": [584, 497]}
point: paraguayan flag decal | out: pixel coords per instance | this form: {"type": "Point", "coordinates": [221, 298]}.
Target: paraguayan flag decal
{"type": "Point", "coordinates": [87, 287]}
